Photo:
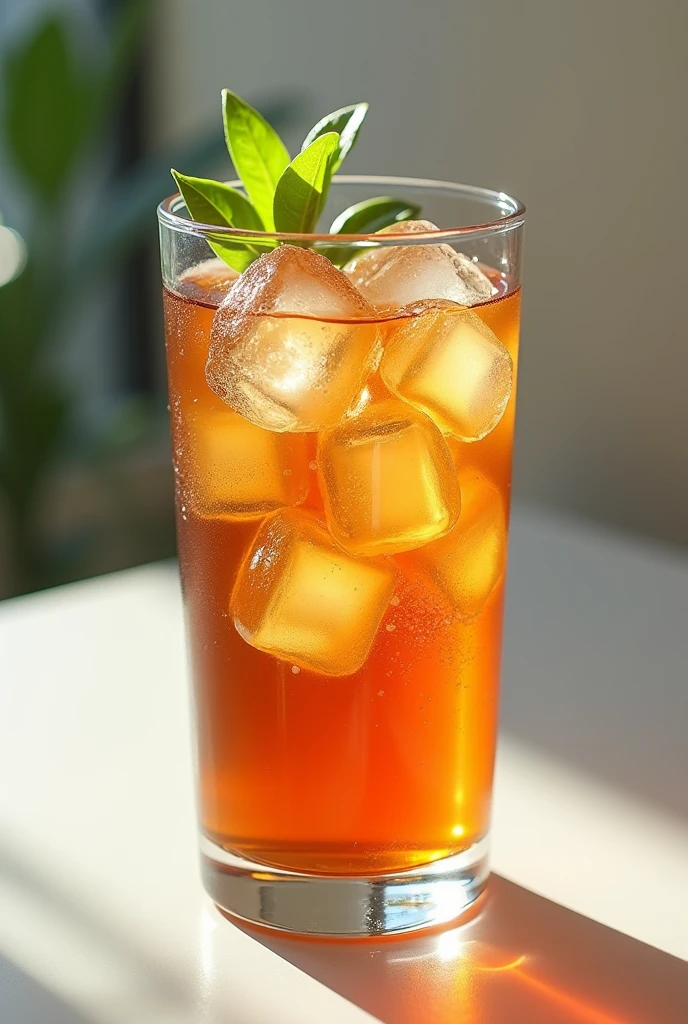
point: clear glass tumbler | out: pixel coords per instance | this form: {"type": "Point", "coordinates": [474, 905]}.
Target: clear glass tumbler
{"type": "Point", "coordinates": [342, 450]}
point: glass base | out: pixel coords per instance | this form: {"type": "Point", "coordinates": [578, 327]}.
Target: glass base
{"type": "Point", "coordinates": [345, 905]}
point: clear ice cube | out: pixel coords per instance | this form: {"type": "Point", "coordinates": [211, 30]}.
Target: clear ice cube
{"type": "Point", "coordinates": [448, 363]}
{"type": "Point", "coordinates": [302, 599]}
{"type": "Point", "coordinates": [291, 372]}
{"type": "Point", "coordinates": [466, 565]}
{"type": "Point", "coordinates": [388, 480]}
{"type": "Point", "coordinates": [231, 469]}
{"type": "Point", "coordinates": [394, 276]}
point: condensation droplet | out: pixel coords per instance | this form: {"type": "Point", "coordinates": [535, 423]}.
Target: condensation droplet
{"type": "Point", "coordinates": [286, 472]}
{"type": "Point", "coordinates": [313, 465]}
{"type": "Point", "coordinates": [380, 693]}
{"type": "Point", "coordinates": [295, 669]}
{"type": "Point", "coordinates": [390, 627]}
{"type": "Point", "coordinates": [395, 601]}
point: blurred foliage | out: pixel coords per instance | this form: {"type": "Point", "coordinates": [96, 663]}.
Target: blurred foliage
{"type": "Point", "coordinates": [58, 111]}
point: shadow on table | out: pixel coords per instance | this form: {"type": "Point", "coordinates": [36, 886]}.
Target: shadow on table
{"type": "Point", "coordinates": [523, 960]}
{"type": "Point", "coordinates": [24, 1001]}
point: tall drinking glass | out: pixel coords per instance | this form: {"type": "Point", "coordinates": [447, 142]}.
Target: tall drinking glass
{"type": "Point", "coordinates": [342, 452]}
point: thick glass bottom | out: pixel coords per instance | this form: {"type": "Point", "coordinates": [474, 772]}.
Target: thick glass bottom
{"type": "Point", "coordinates": [345, 905]}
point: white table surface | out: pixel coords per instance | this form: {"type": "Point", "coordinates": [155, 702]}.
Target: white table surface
{"type": "Point", "coordinates": [102, 917]}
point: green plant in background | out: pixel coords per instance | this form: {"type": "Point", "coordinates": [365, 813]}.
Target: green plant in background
{"type": "Point", "coordinates": [283, 195]}
{"type": "Point", "coordinates": [57, 109]}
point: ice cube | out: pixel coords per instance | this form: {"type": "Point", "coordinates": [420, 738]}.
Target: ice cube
{"type": "Point", "coordinates": [466, 565]}
{"type": "Point", "coordinates": [399, 275]}
{"type": "Point", "coordinates": [300, 598]}
{"type": "Point", "coordinates": [231, 469]}
{"type": "Point", "coordinates": [209, 281]}
{"type": "Point", "coordinates": [291, 373]}
{"type": "Point", "coordinates": [448, 363]}
{"type": "Point", "coordinates": [388, 480]}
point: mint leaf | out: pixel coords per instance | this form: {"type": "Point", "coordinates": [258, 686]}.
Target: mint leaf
{"type": "Point", "coordinates": [303, 186]}
{"type": "Point", "coordinates": [372, 215]}
{"type": "Point", "coordinates": [258, 154]}
{"type": "Point", "coordinates": [365, 219]}
{"type": "Point", "coordinates": [346, 122]}
{"type": "Point", "coordinates": [283, 196]}
{"type": "Point", "coordinates": [213, 202]}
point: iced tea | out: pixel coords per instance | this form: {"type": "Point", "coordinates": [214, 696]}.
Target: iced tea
{"type": "Point", "coordinates": [343, 561]}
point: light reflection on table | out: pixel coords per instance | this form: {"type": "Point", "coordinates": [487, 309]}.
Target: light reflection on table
{"type": "Point", "coordinates": [521, 960]}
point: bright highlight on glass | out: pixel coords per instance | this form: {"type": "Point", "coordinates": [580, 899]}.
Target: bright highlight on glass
{"type": "Point", "coordinates": [13, 254]}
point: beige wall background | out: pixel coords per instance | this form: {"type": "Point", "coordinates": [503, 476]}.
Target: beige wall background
{"type": "Point", "coordinates": [578, 108]}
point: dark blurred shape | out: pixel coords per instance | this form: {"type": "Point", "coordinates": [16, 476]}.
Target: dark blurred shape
{"type": "Point", "coordinates": [522, 960]}
{"type": "Point", "coordinates": [59, 110]}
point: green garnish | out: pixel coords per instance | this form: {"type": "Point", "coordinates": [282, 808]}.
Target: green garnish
{"type": "Point", "coordinates": [283, 195]}
{"type": "Point", "coordinates": [346, 123]}
{"type": "Point", "coordinates": [257, 152]}
{"type": "Point", "coordinates": [301, 191]}
{"type": "Point", "coordinates": [365, 219]}
{"type": "Point", "coordinates": [213, 202]}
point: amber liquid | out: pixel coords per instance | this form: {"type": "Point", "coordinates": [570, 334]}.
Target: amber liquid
{"type": "Point", "coordinates": [379, 771]}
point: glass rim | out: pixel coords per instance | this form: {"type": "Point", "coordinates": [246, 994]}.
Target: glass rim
{"type": "Point", "coordinates": [513, 215]}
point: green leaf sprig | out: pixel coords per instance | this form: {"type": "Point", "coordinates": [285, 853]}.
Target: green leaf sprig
{"type": "Point", "coordinates": [280, 194]}
{"type": "Point", "coordinates": [257, 152]}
